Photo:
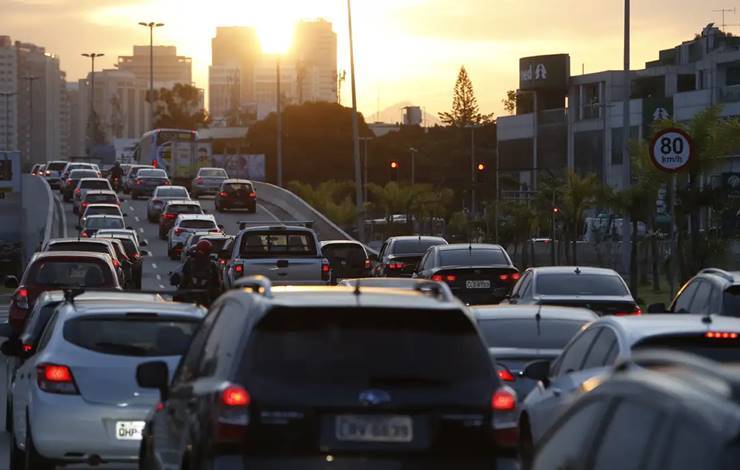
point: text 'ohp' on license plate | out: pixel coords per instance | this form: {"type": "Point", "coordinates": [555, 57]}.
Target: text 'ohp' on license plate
{"type": "Point", "coordinates": [129, 430]}
{"type": "Point", "coordinates": [477, 284]}
{"type": "Point", "coordinates": [356, 428]}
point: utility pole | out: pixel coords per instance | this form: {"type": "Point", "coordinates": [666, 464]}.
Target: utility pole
{"type": "Point", "coordinates": [91, 120]}
{"type": "Point", "coordinates": [279, 126]}
{"type": "Point", "coordinates": [472, 171]}
{"type": "Point", "coordinates": [413, 165]}
{"type": "Point", "coordinates": [626, 164]}
{"type": "Point", "coordinates": [30, 79]}
{"type": "Point", "coordinates": [356, 134]}
{"type": "Point", "coordinates": [7, 95]}
{"type": "Point", "coordinates": [365, 140]}
{"type": "Point", "coordinates": [151, 25]}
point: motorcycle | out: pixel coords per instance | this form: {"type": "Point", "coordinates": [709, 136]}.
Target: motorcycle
{"type": "Point", "coordinates": [116, 184]}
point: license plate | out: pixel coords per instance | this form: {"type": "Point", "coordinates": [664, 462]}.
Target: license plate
{"type": "Point", "coordinates": [353, 428]}
{"type": "Point", "coordinates": [478, 284]}
{"type": "Point", "coordinates": [129, 430]}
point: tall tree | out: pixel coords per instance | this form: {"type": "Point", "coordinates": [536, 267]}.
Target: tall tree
{"type": "Point", "coordinates": [465, 110]}
{"type": "Point", "coordinates": [510, 101]}
{"type": "Point", "coordinates": [179, 108]}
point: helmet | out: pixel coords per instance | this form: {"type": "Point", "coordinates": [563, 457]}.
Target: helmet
{"type": "Point", "coordinates": [204, 247]}
{"type": "Point", "coordinates": [117, 163]}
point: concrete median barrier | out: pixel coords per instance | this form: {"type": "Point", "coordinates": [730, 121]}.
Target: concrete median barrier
{"type": "Point", "coordinates": [39, 218]}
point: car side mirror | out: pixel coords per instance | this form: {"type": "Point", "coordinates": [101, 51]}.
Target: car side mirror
{"type": "Point", "coordinates": [125, 214]}
{"type": "Point", "coordinates": [154, 374]}
{"type": "Point", "coordinates": [657, 308]}
{"type": "Point", "coordinates": [11, 282]}
{"type": "Point", "coordinates": [143, 243]}
{"type": "Point", "coordinates": [129, 228]}
{"type": "Point", "coordinates": [175, 279]}
{"type": "Point", "coordinates": [538, 370]}
{"type": "Point", "coordinates": [12, 347]}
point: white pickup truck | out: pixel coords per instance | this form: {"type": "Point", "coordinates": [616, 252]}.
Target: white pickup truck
{"type": "Point", "coordinates": [286, 254]}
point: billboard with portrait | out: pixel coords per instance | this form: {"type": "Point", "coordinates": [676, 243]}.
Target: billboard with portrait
{"type": "Point", "coordinates": [246, 166]}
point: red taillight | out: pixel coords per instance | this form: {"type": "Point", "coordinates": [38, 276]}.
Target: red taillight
{"type": "Point", "coordinates": [451, 278]}
{"type": "Point", "coordinates": [78, 191]}
{"type": "Point", "coordinates": [136, 256]}
{"type": "Point", "coordinates": [395, 266]}
{"type": "Point", "coordinates": [21, 298]}
{"type": "Point", "coordinates": [235, 396]}
{"type": "Point", "coordinates": [116, 263]}
{"type": "Point", "coordinates": [504, 399]}
{"type": "Point", "coordinates": [445, 278]}
{"type": "Point", "coordinates": [253, 195]}
{"type": "Point", "coordinates": [84, 234]}
{"type": "Point", "coordinates": [155, 163]}
{"type": "Point", "coordinates": [721, 335]}
{"type": "Point", "coordinates": [178, 231]}
{"type": "Point", "coordinates": [635, 312]}
{"type": "Point", "coordinates": [54, 378]}
{"type": "Point", "coordinates": [85, 204]}
{"type": "Point", "coordinates": [368, 263]}
{"type": "Point", "coordinates": [325, 270]}
{"type": "Point", "coordinates": [198, 180]}
{"type": "Point", "coordinates": [438, 278]}
{"type": "Point", "coordinates": [505, 375]}
{"type": "Point", "coordinates": [239, 269]}
{"type": "Point", "coordinates": [27, 348]}
{"type": "Point", "coordinates": [516, 276]}
{"type": "Point", "coordinates": [139, 181]}
{"type": "Point", "coordinates": [170, 216]}
{"type": "Point", "coordinates": [222, 262]}
{"type": "Point", "coordinates": [223, 194]}
{"type": "Point", "coordinates": [503, 277]}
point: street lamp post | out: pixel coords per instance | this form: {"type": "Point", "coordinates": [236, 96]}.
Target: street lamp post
{"type": "Point", "coordinates": [365, 153]}
{"type": "Point", "coordinates": [91, 119]}
{"type": "Point", "coordinates": [7, 95]}
{"type": "Point", "coordinates": [356, 134]}
{"type": "Point", "coordinates": [626, 164]}
{"type": "Point", "coordinates": [151, 25]}
{"type": "Point", "coordinates": [30, 79]}
{"type": "Point", "coordinates": [413, 165]}
{"type": "Point", "coordinates": [279, 125]}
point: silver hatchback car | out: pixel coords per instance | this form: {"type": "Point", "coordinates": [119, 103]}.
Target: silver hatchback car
{"type": "Point", "coordinates": [76, 400]}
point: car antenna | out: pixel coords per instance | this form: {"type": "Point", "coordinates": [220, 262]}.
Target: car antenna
{"type": "Point", "coordinates": [538, 319]}
{"type": "Point", "coordinates": [707, 319]}
{"type": "Point", "coordinates": [578, 270]}
{"type": "Point", "coordinates": [357, 288]}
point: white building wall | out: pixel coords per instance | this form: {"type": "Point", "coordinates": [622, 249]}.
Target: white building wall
{"type": "Point", "coordinates": [8, 84]}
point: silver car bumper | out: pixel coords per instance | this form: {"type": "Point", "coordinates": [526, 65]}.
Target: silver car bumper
{"type": "Point", "coordinates": [68, 428]}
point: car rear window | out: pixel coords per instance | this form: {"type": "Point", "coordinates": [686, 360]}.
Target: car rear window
{"type": "Point", "coordinates": [367, 347]}
{"type": "Point", "coordinates": [77, 273]}
{"type": "Point", "coordinates": [92, 210]}
{"type": "Point", "coordinates": [717, 349]}
{"type": "Point", "coordinates": [172, 192]}
{"type": "Point", "coordinates": [414, 246]}
{"type": "Point", "coordinates": [94, 184]}
{"type": "Point", "coordinates": [79, 246]}
{"type": "Point", "coordinates": [271, 244]}
{"type": "Point", "coordinates": [207, 224]}
{"type": "Point", "coordinates": [56, 166]}
{"type": "Point", "coordinates": [580, 284]}
{"type": "Point", "coordinates": [184, 209]}
{"type": "Point", "coordinates": [731, 300]}
{"type": "Point", "coordinates": [131, 336]}
{"type": "Point", "coordinates": [101, 198]}
{"type": "Point", "coordinates": [79, 174]}
{"type": "Point", "coordinates": [212, 173]}
{"type": "Point", "coordinates": [135, 168]}
{"type": "Point", "coordinates": [234, 187]}
{"type": "Point", "coordinates": [473, 257]}
{"type": "Point", "coordinates": [527, 334]}
{"type": "Point", "coordinates": [345, 251]}
{"type": "Point", "coordinates": [151, 174]}
{"type": "Point", "coordinates": [218, 243]}
{"type": "Point", "coordinates": [104, 222]}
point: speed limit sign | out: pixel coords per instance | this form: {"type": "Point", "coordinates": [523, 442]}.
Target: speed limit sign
{"type": "Point", "coordinates": [670, 150]}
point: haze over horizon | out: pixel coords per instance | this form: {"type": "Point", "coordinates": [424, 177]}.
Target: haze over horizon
{"type": "Point", "coordinates": [406, 50]}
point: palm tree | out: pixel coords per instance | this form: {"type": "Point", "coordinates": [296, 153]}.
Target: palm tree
{"type": "Point", "coordinates": [579, 194]}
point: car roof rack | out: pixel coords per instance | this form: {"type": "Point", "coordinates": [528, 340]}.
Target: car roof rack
{"type": "Point", "coordinates": [277, 225]}
{"type": "Point", "coordinates": [719, 272]}
{"type": "Point", "coordinates": [257, 284]}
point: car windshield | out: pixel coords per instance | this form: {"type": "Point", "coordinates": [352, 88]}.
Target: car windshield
{"type": "Point", "coordinates": [104, 222]}
{"type": "Point", "coordinates": [527, 333]}
{"type": "Point", "coordinates": [184, 209]}
{"type": "Point", "coordinates": [345, 251]}
{"type": "Point", "coordinates": [80, 246]}
{"type": "Point", "coordinates": [172, 192]}
{"type": "Point", "coordinates": [101, 198]}
{"type": "Point", "coordinates": [367, 347]}
{"type": "Point", "coordinates": [129, 246]}
{"type": "Point", "coordinates": [77, 273]}
{"type": "Point", "coordinates": [414, 246]}
{"type": "Point", "coordinates": [56, 166]}
{"type": "Point", "coordinates": [473, 257]}
{"type": "Point", "coordinates": [717, 349]}
{"type": "Point", "coordinates": [206, 224]}
{"type": "Point", "coordinates": [580, 284]}
{"type": "Point", "coordinates": [238, 187]}
{"type": "Point", "coordinates": [270, 244]}
{"type": "Point", "coordinates": [151, 174]}
{"type": "Point", "coordinates": [79, 174]}
{"type": "Point", "coordinates": [94, 184]}
{"type": "Point", "coordinates": [131, 335]}
{"type": "Point", "coordinates": [92, 210]}
{"type": "Point", "coordinates": [213, 173]}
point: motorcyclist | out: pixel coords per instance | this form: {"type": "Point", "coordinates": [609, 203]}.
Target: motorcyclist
{"type": "Point", "coordinates": [201, 273]}
{"type": "Point", "coordinates": [116, 174]}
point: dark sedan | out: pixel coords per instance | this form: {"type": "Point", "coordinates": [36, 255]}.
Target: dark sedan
{"type": "Point", "coordinates": [399, 256]}
{"type": "Point", "coordinates": [147, 181]}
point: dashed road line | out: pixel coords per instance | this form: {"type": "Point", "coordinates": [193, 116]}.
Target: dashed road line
{"type": "Point", "coordinates": [269, 212]}
{"type": "Point", "coordinates": [159, 277]}
{"type": "Point", "coordinates": [141, 229]}
{"type": "Point", "coordinates": [137, 219]}
{"type": "Point", "coordinates": [154, 266]}
{"type": "Point", "coordinates": [161, 286]}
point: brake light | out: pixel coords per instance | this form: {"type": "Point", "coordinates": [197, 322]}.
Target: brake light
{"type": "Point", "coordinates": [155, 163]}
{"type": "Point", "coordinates": [239, 269]}
{"type": "Point", "coordinates": [253, 195]}
{"type": "Point", "coordinates": [21, 298]}
{"type": "Point", "coordinates": [178, 231]}
{"type": "Point", "coordinates": [77, 191]}
{"type": "Point", "coordinates": [516, 276]}
{"type": "Point", "coordinates": [85, 204]}
{"type": "Point", "coordinates": [233, 415]}
{"type": "Point", "coordinates": [396, 265]}
{"type": "Point", "coordinates": [437, 278]}
{"type": "Point", "coordinates": [116, 263]}
{"type": "Point", "coordinates": [635, 312]}
{"type": "Point", "coordinates": [139, 181]}
{"type": "Point", "coordinates": [84, 234]}
{"type": "Point", "coordinates": [445, 278]}
{"type": "Point", "coordinates": [27, 348]}
{"type": "Point", "coordinates": [169, 216]}
{"type": "Point", "coordinates": [222, 262]}
{"type": "Point", "coordinates": [325, 270]}
{"type": "Point", "coordinates": [504, 277]}
{"type": "Point", "coordinates": [450, 278]}
{"type": "Point", "coordinates": [223, 194]}
{"type": "Point", "coordinates": [504, 399]}
{"type": "Point", "coordinates": [368, 263]}
{"type": "Point", "coordinates": [53, 378]}
{"type": "Point", "coordinates": [505, 420]}
{"type": "Point", "coordinates": [505, 375]}
{"type": "Point", "coordinates": [721, 335]}
{"type": "Point", "coordinates": [198, 180]}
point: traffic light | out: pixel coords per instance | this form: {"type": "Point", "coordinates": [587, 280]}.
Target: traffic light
{"type": "Point", "coordinates": [395, 167]}
{"type": "Point", "coordinates": [481, 172]}
{"type": "Point", "coordinates": [556, 211]}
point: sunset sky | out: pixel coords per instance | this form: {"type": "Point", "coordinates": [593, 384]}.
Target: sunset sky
{"type": "Point", "coordinates": [406, 50]}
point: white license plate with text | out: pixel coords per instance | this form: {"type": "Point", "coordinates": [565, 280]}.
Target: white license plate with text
{"type": "Point", "coordinates": [353, 428]}
{"type": "Point", "coordinates": [129, 430]}
{"type": "Point", "coordinates": [478, 284]}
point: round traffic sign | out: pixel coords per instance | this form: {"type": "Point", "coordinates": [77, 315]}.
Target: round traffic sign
{"type": "Point", "coordinates": [670, 150]}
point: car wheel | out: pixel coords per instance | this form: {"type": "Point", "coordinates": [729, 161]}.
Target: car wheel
{"type": "Point", "coordinates": [34, 461]}
{"type": "Point", "coordinates": [525, 445]}
{"type": "Point", "coordinates": [8, 415]}
{"type": "Point", "coordinates": [17, 456]}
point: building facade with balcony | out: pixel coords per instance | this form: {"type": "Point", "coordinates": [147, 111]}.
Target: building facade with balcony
{"type": "Point", "coordinates": [576, 123]}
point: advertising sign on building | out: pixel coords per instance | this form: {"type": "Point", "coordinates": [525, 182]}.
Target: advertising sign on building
{"type": "Point", "coordinates": [545, 72]}
{"type": "Point", "coordinates": [251, 167]}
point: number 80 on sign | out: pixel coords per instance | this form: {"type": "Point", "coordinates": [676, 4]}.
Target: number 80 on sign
{"type": "Point", "coordinates": [670, 150]}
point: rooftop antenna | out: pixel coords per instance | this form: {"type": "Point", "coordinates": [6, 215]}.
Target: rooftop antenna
{"type": "Point", "coordinates": [707, 319]}
{"type": "Point", "coordinates": [538, 319]}
{"type": "Point", "coordinates": [578, 270]}
{"type": "Point", "coordinates": [357, 288]}
{"type": "Point", "coordinates": [724, 11]}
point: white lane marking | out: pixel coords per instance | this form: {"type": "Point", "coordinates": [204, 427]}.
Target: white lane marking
{"type": "Point", "coordinates": [159, 277]}
{"type": "Point", "coordinates": [154, 266]}
{"type": "Point", "coordinates": [161, 286]}
{"type": "Point", "coordinates": [131, 208]}
{"type": "Point", "coordinates": [141, 230]}
{"type": "Point", "coordinates": [64, 219]}
{"type": "Point", "coordinates": [137, 219]}
{"type": "Point", "coordinates": [269, 212]}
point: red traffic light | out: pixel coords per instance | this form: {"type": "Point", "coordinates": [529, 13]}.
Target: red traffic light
{"type": "Point", "coordinates": [556, 210]}
{"type": "Point", "coordinates": [394, 165]}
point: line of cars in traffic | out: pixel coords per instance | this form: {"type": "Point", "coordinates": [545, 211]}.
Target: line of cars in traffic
{"type": "Point", "coordinates": [282, 373]}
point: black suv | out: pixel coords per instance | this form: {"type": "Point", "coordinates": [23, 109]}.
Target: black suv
{"type": "Point", "coordinates": [663, 410]}
{"type": "Point", "coordinates": [331, 377]}
{"type": "Point", "coordinates": [399, 256]}
{"type": "Point", "coordinates": [712, 291]}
